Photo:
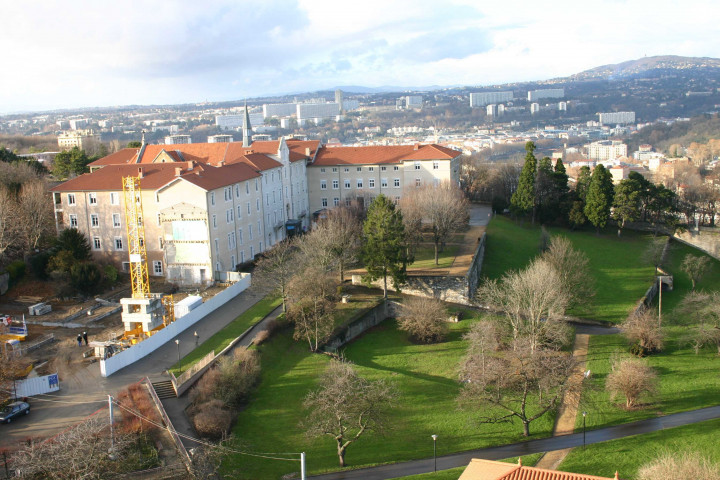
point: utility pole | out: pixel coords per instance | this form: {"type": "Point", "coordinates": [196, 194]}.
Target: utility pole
{"type": "Point", "coordinates": [112, 437]}
{"type": "Point", "coordinates": [659, 300]}
{"type": "Point", "coordinates": [302, 466]}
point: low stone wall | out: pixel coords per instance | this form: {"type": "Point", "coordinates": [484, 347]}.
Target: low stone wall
{"type": "Point", "coordinates": [371, 318]}
{"type": "Point", "coordinates": [706, 239]}
{"type": "Point", "coordinates": [449, 288]}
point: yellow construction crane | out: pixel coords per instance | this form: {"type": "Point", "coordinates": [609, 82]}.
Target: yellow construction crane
{"type": "Point", "coordinates": [138, 253]}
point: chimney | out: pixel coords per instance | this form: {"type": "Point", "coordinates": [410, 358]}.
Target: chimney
{"type": "Point", "coordinates": [307, 151]}
{"type": "Point", "coordinates": [140, 172]}
{"type": "Point", "coordinates": [520, 461]}
{"type": "Point", "coordinates": [190, 164]}
{"type": "Point", "coordinates": [417, 146]}
{"type": "Point", "coordinates": [178, 171]}
{"type": "Point", "coordinates": [221, 163]}
{"type": "Point", "coordinates": [616, 475]}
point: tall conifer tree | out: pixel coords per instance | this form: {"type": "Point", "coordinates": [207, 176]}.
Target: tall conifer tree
{"type": "Point", "coordinates": [599, 198]}
{"type": "Point", "coordinates": [523, 200]}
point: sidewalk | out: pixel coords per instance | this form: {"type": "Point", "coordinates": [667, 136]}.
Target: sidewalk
{"type": "Point", "coordinates": [86, 391]}
{"type": "Point", "coordinates": [446, 462]}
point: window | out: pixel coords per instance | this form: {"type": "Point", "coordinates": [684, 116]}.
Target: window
{"type": "Point", "coordinates": [346, 169]}
{"type": "Point", "coordinates": [256, 185]}
{"type": "Point", "coordinates": [248, 208]}
{"type": "Point", "coordinates": [359, 183]}
{"type": "Point", "coordinates": [323, 184]}
{"type": "Point", "coordinates": [214, 221]}
{"type": "Point", "coordinates": [94, 220]}
{"type": "Point", "coordinates": [417, 165]}
{"type": "Point", "coordinates": [217, 247]}
{"type": "Point", "coordinates": [227, 192]}
{"type": "Point", "coordinates": [118, 243]}
{"type": "Point", "coordinates": [252, 251]}
{"type": "Point", "coordinates": [382, 169]}
{"type": "Point", "coordinates": [232, 261]}
{"type": "Point", "coordinates": [322, 170]}
{"type": "Point", "coordinates": [212, 198]}
{"type": "Point", "coordinates": [324, 202]}
{"type": "Point", "coordinates": [161, 242]}
{"type": "Point", "coordinates": [116, 220]}
{"type": "Point", "coordinates": [336, 184]}
{"type": "Point", "coordinates": [371, 183]}
{"type": "Point", "coordinates": [259, 228]}
{"type": "Point", "coordinates": [157, 267]}
{"type": "Point", "coordinates": [240, 238]}
{"type": "Point", "coordinates": [334, 169]}
{"type": "Point", "coordinates": [436, 165]}
{"type": "Point", "coordinates": [231, 241]}
{"type": "Point", "coordinates": [383, 183]}
{"type": "Point", "coordinates": [371, 169]}
{"type": "Point", "coordinates": [397, 200]}
{"type": "Point", "coordinates": [336, 202]}
{"type": "Point", "coordinates": [247, 188]}
{"type": "Point", "coordinates": [96, 243]}
{"type": "Point", "coordinates": [418, 182]}
{"type": "Point", "coordinates": [257, 204]}
{"type": "Point", "coordinates": [242, 256]}
{"type": "Point", "coordinates": [237, 190]}
{"type": "Point", "coordinates": [396, 167]}
{"type": "Point", "coordinates": [359, 169]}
{"type": "Point", "coordinates": [73, 221]}
{"type": "Point", "coordinates": [229, 215]}
{"type": "Point", "coordinates": [396, 182]}
{"type": "Point", "coordinates": [347, 183]}
{"type": "Point", "coordinates": [114, 198]}
{"type": "Point", "coordinates": [239, 212]}
{"type": "Point", "coordinates": [92, 198]}
{"type": "Point", "coordinates": [250, 231]}
{"type": "Point", "coordinates": [71, 199]}
{"type": "Point", "coordinates": [159, 220]}
{"type": "Point", "coordinates": [142, 241]}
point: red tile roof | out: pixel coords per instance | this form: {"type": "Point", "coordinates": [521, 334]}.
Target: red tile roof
{"type": "Point", "coordinates": [479, 469]}
{"type": "Point", "coordinates": [126, 155]}
{"type": "Point", "coordinates": [157, 175]}
{"type": "Point", "coordinates": [374, 155]}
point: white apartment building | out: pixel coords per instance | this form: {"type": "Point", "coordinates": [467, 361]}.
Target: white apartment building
{"type": "Point", "coordinates": [316, 111]}
{"type": "Point", "coordinates": [616, 118]}
{"type": "Point", "coordinates": [279, 109]}
{"type": "Point", "coordinates": [77, 138]}
{"type": "Point", "coordinates": [485, 98]}
{"type": "Point", "coordinates": [177, 139]}
{"type": "Point", "coordinates": [232, 122]}
{"type": "Point", "coordinates": [606, 150]}
{"type": "Point", "coordinates": [534, 95]}
{"type": "Point", "coordinates": [220, 138]}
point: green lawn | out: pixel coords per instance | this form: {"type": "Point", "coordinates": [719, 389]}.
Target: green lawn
{"type": "Point", "coordinates": [621, 275]}
{"type": "Point", "coordinates": [687, 381]}
{"type": "Point", "coordinates": [425, 257]}
{"type": "Point", "coordinates": [424, 374]}
{"type": "Point", "coordinates": [230, 332]}
{"type": "Point", "coordinates": [454, 473]}
{"type": "Point", "coordinates": [628, 454]}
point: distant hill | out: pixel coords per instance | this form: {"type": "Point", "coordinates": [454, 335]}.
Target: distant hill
{"type": "Point", "coordinates": [635, 67]}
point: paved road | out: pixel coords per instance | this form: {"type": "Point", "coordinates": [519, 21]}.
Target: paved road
{"type": "Point", "coordinates": [86, 391]}
{"type": "Point", "coordinates": [526, 448]}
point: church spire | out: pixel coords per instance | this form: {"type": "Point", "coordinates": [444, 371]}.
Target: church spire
{"type": "Point", "coordinates": [247, 128]}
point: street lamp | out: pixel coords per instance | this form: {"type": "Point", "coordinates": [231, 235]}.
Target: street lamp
{"type": "Point", "coordinates": [177, 342]}
{"type": "Point", "coordinates": [584, 415]}
{"type": "Point", "coordinates": [434, 437]}
{"type": "Point", "coordinates": [197, 338]}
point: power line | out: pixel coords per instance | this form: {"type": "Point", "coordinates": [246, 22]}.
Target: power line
{"type": "Point", "coordinates": [196, 440]}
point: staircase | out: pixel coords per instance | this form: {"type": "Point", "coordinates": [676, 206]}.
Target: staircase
{"type": "Point", "coordinates": [164, 389]}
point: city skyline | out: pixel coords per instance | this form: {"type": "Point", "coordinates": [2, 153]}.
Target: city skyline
{"type": "Point", "coordinates": [80, 54]}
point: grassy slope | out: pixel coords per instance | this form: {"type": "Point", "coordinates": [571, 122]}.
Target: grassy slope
{"type": "Point", "coordinates": [425, 257]}
{"type": "Point", "coordinates": [233, 330]}
{"type": "Point", "coordinates": [621, 276]}
{"type": "Point", "coordinates": [424, 374]}
{"type": "Point", "coordinates": [454, 473]}
{"type": "Point", "coordinates": [628, 454]}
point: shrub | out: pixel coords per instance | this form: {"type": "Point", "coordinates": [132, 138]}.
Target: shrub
{"type": "Point", "coordinates": [16, 270]}
{"type": "Point", "coordinates": [687, 465]}
{"type": "Point", "coordinates": [111, 274]}
{"type": "Point", "coordinates": [631, 378]}
{"type": "Point", "coordinates": [61, 262]}
{"type": "Point", "coordinates": [261, 337]}
{"type": "Point", "coordinates": [642, 330]}
{"type": "Point", "coordinates": [39, 264]}
{"type": "Point", "coordinates": [212, 420]}
{"type": "Point", "coordinates": [204, 389]}
{"type": "Point", "coordinates": [424, 319]}
{"type": "Point", "coordinates": [74, 241]}
{"type": "Point", "coordinates": [238, 374]}
{"type": "Point", "coordinates": [86, 277]}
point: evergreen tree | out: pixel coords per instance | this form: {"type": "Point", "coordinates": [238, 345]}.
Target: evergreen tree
{"type": "Point", "coordinates": [546, 196]}
{"type": "Point", "coordinates": [561, 177]}
{"type": "Point", "coordinates": [384, 250]}
{"type": "Point", "coordinates": [626, 205]}
{"type": "Point", "coordinates": [599, 198]}
{"type": "Point", "coordinates": [523, 200]}
{"type": "Point", "coordinates": [583, 182]}
{"type": "Point", "coordinates": [68, 162]}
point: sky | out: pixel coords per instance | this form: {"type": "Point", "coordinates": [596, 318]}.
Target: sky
{"type": "Point", "coordinates": [90, 53]}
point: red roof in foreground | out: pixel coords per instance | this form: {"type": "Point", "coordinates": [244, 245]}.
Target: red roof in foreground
{"type": "Point", "coordinates": [479, 469]}
{"type": "Point", "coordinates": [374, 155]}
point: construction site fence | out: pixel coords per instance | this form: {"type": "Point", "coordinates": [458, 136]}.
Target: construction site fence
{"type": "Point", "coordinates": [132, 354]}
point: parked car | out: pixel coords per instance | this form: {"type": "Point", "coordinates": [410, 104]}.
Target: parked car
{"type": "Point", "coordinates": [13, 410]}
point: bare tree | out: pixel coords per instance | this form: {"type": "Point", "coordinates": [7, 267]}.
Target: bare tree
{"type": "Point", "coordinates": [632, 378]}
{"type": "Point", "coordinates": [443, 207]}
{"type": "Point", "coordinates": [656, 252]}
{"type": "Point", "coordinates": [276, 269]}
{"type": "Point", "coordinates": [425, 319]}
{"type": "Point", "coordinates": [680, 465]}
{"type": "Point", "coordinates": [532, 300]}
{"type": "Point", "coordinates": [520, 382]}
{"type": "Point", "coordinates": [412, 219]}
{"type": "Point", "coordinates": [342, 232]}
{"type": "Point", "coordinates": [643, 329]}
{"type": "Point", "coordinates": [312, 307]}
{"type": "Point", "coordinates": [571, 266]}
{"type": "Point", "coordinates": [483, 339]}
{"type": "Point", "coordinates": [695, 267]}
{"type": "Point", "coordinates": [8, 222]}
{"type": "Point", "coordinates": [316, 251]}
{"type": "Point", "coordinates": [703, 311]}
{"type": "Point", "coordinates": [346, 406]}
{"type": "Point", "coordinates": [35, 214]}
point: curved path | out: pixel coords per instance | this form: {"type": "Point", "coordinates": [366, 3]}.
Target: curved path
{"type": "Point", "coordinates": [527, 448]}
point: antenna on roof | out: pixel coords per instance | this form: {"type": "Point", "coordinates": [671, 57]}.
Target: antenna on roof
{"type": "Point", "coordinates": [142, 141]}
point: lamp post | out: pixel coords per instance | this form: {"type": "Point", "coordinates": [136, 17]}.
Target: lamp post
{"type": "Point", "coordinates": [177, 342]}
{"type": "Point", "coordinates": [584, 415]}
{"type": "Point", "coordinates": [197, 338]}
{"type": "Point", "coordinates": [434, 437]}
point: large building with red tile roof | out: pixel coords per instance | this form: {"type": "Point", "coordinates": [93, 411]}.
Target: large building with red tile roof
{"type": "Point", "coordinates": [479, 469]}
{"type": "Point", "coordinates": [211, 206]}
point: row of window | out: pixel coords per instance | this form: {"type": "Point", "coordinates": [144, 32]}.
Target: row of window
{"type": "Point", "coordinates": [417, 165]}
{"type": "Point", "coordinates": [359, 182]}
{"type": "Point", "coordinates": [348, 201]}
{"type": "Point", "coordinates": [93, 200]}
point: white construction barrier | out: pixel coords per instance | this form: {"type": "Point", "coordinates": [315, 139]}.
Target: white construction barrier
{"type": "Point", "coordinates": [36, 386]}
{"type": "Point", "coordinates": [131, 355]}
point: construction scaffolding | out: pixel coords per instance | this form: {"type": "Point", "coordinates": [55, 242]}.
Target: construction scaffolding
{"type": "Point", "coordinates": [136, 237]}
